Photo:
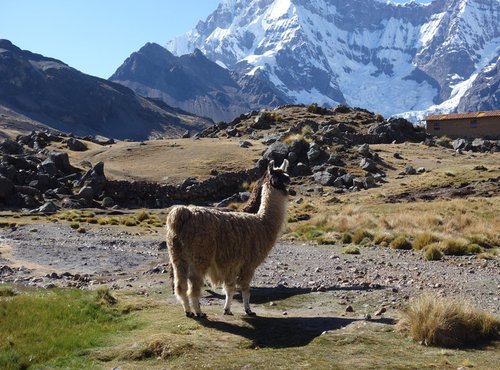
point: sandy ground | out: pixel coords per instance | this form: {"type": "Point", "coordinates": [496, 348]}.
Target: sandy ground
{"type": "Point", "coordinates": [49, 255]}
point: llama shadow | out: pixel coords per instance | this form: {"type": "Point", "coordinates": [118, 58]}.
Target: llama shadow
{"type": "Point", "coordinates": [260, 295]}
{"type": "Point", "coordinates": [283, 332]}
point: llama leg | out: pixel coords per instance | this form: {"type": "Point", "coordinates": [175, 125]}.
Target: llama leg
{"type": "Point", "coordinates": [245, 292]}
{"type": "Point", "coordinates": [230, 288]}
{"type": "Point", "coordinates": [181, 285]}
{"type": "Point", "coordinates": [196, 281]}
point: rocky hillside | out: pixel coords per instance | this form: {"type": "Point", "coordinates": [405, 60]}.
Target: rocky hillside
{"type": "Point", "coordinates": [47, 91]}
{"type": "Point", "coordinates": [390, 58]}
{"type": "Point", "coordinates": [195, 84]}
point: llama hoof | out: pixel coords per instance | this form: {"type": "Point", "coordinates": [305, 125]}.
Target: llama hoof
{"type": "Point", "coordinates": [189, 314]}
{"type": "Point", "coordinates": [227, 312]}
{"type": "Point", "coordinates": [201, 315]}
{"type": "Point", "coordinates": [250, 313]}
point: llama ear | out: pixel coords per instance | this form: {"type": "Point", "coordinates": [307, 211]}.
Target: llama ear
{"type": "Point", "coordinates": [284, 165]}
{"type": "Point", "coordinates": [270, 166]}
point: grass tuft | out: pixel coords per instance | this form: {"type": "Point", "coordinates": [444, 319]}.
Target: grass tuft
{"type": "Point", "coordinates": [433, 252]}
{"type": "Point", "coordinates": [443, 322]}
{"type": "Point", "coordinates": [352, 249]}
{"type": "Point", "coordinates": [422, 240]}
{"type": "Point", "coordinates": [454, 247]}
{"type": "Point", "coordinates": [401, 242]}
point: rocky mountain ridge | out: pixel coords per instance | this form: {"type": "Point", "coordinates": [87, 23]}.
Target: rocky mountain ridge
{"type": "Point", "coordinates": [195, 84]}
{"type": "Point", "coordinates": [409, 59]}
{"type": "Point", "coordinates": [49, 92]}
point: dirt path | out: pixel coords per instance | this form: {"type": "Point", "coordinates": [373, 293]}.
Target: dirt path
{"type": "Point", "coordinates": [48, 255]}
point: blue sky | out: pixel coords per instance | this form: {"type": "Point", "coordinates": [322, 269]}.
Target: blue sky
{"type": "Point", "coordinates": [96, 36]}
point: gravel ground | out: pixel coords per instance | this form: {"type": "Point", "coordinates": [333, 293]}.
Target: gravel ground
{"type": "Point", "coordinates": [49, 255]}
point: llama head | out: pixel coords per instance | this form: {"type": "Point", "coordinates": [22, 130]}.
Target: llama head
{"type": "Point", "coordinates": [278, 177]}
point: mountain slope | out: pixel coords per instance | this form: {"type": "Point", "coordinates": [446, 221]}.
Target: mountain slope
{"type": "Point", "coordinates": [386, 57]}
{"type": "Point", "coordinates": [50, 92]}
{"type": "Point", "coordinates": [194, 83]}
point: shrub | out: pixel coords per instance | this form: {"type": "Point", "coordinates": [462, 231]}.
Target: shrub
{"type": "Point", "coordinates": [444, 322]}
{"type": "Point", "coordinates": [401, 242]}
{"type": "Point", "coordinates": [142, 215]}
{"type": "Point", "coordinates": [74, 225]}
{"type": "Point", "coordinates": [474, 248]}
{"type": "Point", "coordinates": [6, 291]}
{"type": "Point", "coordinates": [81, 230]}
{"type": "Point", "coordinates": [382, 237]}
{"type": "Point", "coordinates": [422, 240]}
{"type": "Point", "coordinates": [351, 250]}
{"type": "Point", "coordinates": [359, 235]}
{"type": "Point", "coordinates": [433, 252]}
{"type": "Point", "coordinates": [130, 222]}
{"type": "Point", "coordinates": [346, 238]}
{"type": "Point", "coordinates": [455, 247]}
{"type": "Point", "coordinates": [314, 108]}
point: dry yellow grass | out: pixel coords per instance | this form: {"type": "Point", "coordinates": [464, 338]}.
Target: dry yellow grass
{"type": "Point", "coordinates": [448, 323]}
{"type": "Point", "coordinates": [168, 161]}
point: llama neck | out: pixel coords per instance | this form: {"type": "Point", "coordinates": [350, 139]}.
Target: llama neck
{"type": "Point", "coordinates": [273, 206]}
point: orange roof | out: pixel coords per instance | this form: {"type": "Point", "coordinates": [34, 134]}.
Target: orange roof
{"type": "Point", "coordinates": [444, 117]}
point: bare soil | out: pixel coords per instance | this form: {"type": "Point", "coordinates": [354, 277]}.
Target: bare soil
{"type": "Point", "coordinates": [54, 255]}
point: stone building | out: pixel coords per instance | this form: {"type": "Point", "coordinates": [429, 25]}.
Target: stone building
{"type": "Point", "coordinates": [461, 125]}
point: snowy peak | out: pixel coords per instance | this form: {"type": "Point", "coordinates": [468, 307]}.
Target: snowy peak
{"type": "Point", "coordinates": [388, 57]}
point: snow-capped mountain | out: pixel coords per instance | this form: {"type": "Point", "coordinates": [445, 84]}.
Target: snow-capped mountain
{"type": "Point", "coordinates": [387, 57]}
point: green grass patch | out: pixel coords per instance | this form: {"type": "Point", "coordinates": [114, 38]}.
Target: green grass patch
{"type": "Point", "coordinates": [433, 252]}
{"type": "Point", "coordinates": [56, 326]}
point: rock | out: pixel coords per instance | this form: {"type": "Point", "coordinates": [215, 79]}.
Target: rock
{"type": "Point", "coordinates": [339, 182]}
{"type": "Point", "coordinates": [292, 157]}
{"type": "Point", "coordinates": [6, 187]}
{"type": "Point", "coordinates": [348, 179]}
{"type": "Point", "coordinates": [314, 152]}
{"type": "Point", "coordinates": [458, 144]}
{"type": "Point", "coordinates": [324, 178]}
{"type": "Point", "coordinates": [9, 146]}
{"type": "Point", "coordinates": [380, 311]}
{"type": "Point", "coordinates": [76, 145]}
{"type": "Point", "coordinates": [349, 309]}
{"type": "Point", "coordinates": [410, 170]}
{"type": "Point", "coordinates": [364, 150]}
{"type": "Point", "coordinates": [277, 151]}
{"type": "Point", "coordinates": [368, 165]}
{"type": "Point", "coordinates": [6, 270]}
{"type": "Point", "coordinates": [61, 161]}
{"type": "Point", "coordinates": [369, 182]}
{"type": "Point", "coordinates": [162, 246]}
{"type": "Point", "coordinates": [108, 202]}
{"type": "Point", "coordinates": [48, 166]}
{"type": "Point", "coordinates": [358, 183]}
{"type": "Point", "coordinates": [233, 132]}
{"type": "Point", "coordinates": [47, 208]}
{"type": "Point", "coordinates": [186, 135]}
{"type": "Point", "coordinates": [421, 170]}
{"type": "Point", "coordinates": [86, 193]}
{"type": "Point", "coordinates": [334, 159]}
{"type": "Point", "coordinates": [102, 140]}
{"type": "Point", "coordinates": [300, 169]}
{"type": "Point", "coordinates": [245, 144]}
{"type": "Point", "coordinates": [262, 121]}
{"type": "Point", "coordinates": [397, 155]}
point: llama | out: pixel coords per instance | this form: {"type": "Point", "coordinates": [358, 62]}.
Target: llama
{"type": "Point", "coordinates": [225, 246]}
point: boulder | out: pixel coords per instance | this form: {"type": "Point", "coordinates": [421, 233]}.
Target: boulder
{"type": "Point", "coordinates": [277, 151]}
{"type": "Point", "coordinates": [76, 145]}
{"type": "Point", "coordinates": [410, 170]}
{"type": "Point", "coordinates": [47, 208]}
{"type": "Point", "coordinates": [6, 187]}
{"type": "Point", "coordinates": [324, 178]}
{"type": "Point", "coordinates": [368, 165]}
{"type": "Point", "coordinates": [300, 169]}
{"type": "Point", "coordinates": [364, 150]}
{"type": "Point", "coordinates": [61, 161]}
{"type": "Point", "coordinates": [9, 146]}
{"type": "Point", "coordinates": [314, 152]}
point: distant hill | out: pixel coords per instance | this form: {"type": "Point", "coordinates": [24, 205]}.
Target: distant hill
{"type": "Point", "coordinates": [48, 92]}
{"type": "Point", "coordinates": [196, 84]}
